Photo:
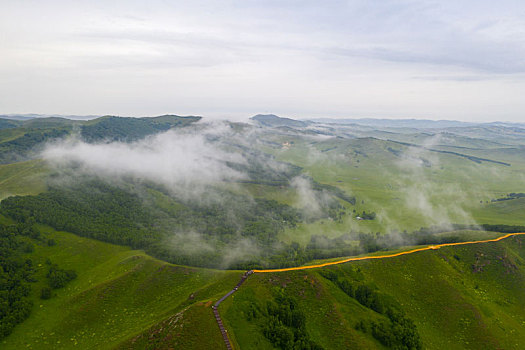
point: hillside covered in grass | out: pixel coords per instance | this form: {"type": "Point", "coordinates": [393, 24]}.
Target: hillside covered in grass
{"type": "Point", "coordinates": [468, 297]}
{"type": "Point", "coordinates": [457, 297]}
{"type": "Point", "coordinates": [116, 294]}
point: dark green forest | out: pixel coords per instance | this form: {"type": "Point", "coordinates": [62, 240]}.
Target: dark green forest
{"type": "Point", "coordinates": [16, 275]}
{"type": "Point", "coordinates": [110, 128]}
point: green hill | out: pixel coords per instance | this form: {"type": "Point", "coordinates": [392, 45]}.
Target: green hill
{"type": "Point", "coordinates": [22, 178]}
{"type": "Point", "coordinates": [111, 128]}
{"type": "Point", "coordinates": [455, 297]}
{"type": "Point", "coordinates": [117, 294]}
{"type": "Point", "coordinates": [24, 140]}
{"type": "Point", "coordinates": [274, 121]}
{"type": "Point", "coordinates": [468, 297]}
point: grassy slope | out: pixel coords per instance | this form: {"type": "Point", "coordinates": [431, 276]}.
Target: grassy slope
{"type": "Point", "coordinates": [192, 328]}
{"type": "Point", "coordinates": [453, 306]}
{"type": "Point", "coordinates": [123, 298]}
{"type": "Point", "coordinates": [389, 184]}
{"type": "Point", "coordinates": [22, 178]}
{"type": "Point", "coordinates": [118, 293]}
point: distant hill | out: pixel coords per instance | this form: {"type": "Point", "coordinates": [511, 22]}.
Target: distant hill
{"type": "Point", "coordinates": [8, 124]}
{"type": "Point", "coordinates": [42, 123]}
{"type": "Point", "coordinates": [398, 123]}
{"type": "Point", "coordinates": [110, 128]}
{"type": "Point", "coordinates": [274, 121]}
{"type": "Point", "coordinates": [413, 123]}
{"type": "Point", "coordinates": [41, 116]}
{"type": "Point", "coordinates": [22, 140]}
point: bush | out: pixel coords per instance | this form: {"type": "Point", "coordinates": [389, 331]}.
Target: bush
{"type": "Point", "coordinates": [45, 293]}
{"type": "Point", "coordinates": [58, 278]}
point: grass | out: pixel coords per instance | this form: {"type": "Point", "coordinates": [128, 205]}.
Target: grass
{"type": "Point", "coordinates": [459, 298]}
{"type": "Point", "coordinates": [118, 294]}
{"type": "Point", "coordinates": [414, 189]}
{"type": "Point", "coordinates": [192, 328]}
{"type": "Point", "coordinates": [23, 178]}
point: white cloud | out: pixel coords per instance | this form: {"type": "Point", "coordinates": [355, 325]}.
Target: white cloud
{"type": "Point", "coordinates": [180, 159]}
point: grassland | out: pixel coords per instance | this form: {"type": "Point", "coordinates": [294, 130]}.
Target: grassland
{"type": "Point", "coordinates": [459, 298]}
{"type": "Point", "coordinates": [408, 187]}
{"type": "Point", "coordinates": [467, 297]}
{"type": "Point", "coordinates": [118, 293]}
{"type": "Point", "coordinates": [22, 178]}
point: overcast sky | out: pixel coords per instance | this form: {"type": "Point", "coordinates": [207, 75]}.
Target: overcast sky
{"type": "Point", "coordinates": [461, 60]}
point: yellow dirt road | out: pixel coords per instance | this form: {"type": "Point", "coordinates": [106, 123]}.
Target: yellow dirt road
{"type": "Point", "coordinates": [430, 247]}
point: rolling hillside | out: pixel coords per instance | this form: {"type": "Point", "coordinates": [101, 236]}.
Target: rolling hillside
{"type": "Point", "coordinates": [457, 297]}
{"type": "Point", "coordinates": [468, 297]}
{"type": "Point", "coordinates": [118, 293]}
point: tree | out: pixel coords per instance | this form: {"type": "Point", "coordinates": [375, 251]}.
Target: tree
{"type": "Point", "coordinates": [45, 293]}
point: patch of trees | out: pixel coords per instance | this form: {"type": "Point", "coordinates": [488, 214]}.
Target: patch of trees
{"type": "Point", "coordinates": [58, 278]}
{"type": "Point", "coordinates": [370, 242]}
{"type": "Point", "coordinates": [428, 235]}
{"type": "Point", "coordinates": [367, 216]}
{"type": "Point", "coordinates": [397, 331]}
{"type": "Point", "coordinates": [395, 152]}
{"type": "Point", "coordinates": [256, 166]}
{"type": "Point", "coordinates": [16, 274]}
{"type": "Point", "coordinates": [336, 191]}
{"type": "Point", "coordinates": [282, 322]}
{"type": "Point", "coordinates": [93, 210]}
{"type": "Point", "coordinates": [322, 247]}
{"type": "Point", "coordinates": [509, 197]}
{"type": "Point", "coordinates": [469, 157]}
{"type": "Point", "coordinates": [502, 228]}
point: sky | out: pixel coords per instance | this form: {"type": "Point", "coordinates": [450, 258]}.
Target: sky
{"type": "Point", "coordinates": [462, 60]}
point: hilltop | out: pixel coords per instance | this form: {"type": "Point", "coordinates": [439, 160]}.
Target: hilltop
{"type": "Point", "coordinates": [275, 121]}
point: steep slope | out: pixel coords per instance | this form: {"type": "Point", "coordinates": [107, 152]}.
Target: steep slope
{"type": "Point", "coordinates": [22, 178]}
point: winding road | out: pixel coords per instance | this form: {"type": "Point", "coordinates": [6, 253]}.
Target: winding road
{"type": "Point", "coordinates": [369, 257]}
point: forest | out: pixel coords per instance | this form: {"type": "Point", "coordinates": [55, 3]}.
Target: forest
{"type": "Point", "coordinates": [16, 275]}
{"type": "Point", "coordinates": [112, 214]}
